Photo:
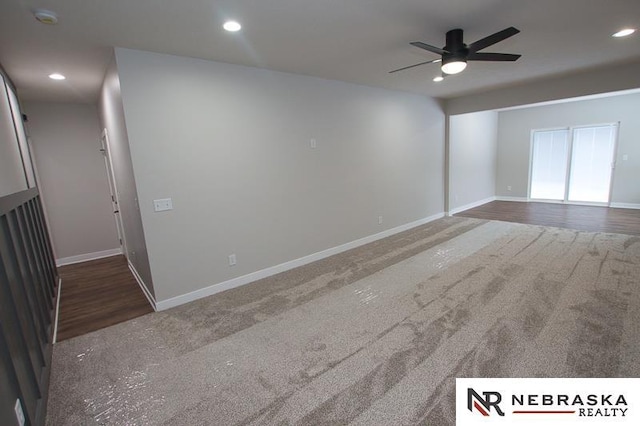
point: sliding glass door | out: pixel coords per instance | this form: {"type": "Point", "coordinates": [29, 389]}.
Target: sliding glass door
{"type": "Point", "coordinates": [573, 164]}
{"type": "Point", "coordinates": [591, 164]}
{"type": "Point", "coordinates": [549, 164]}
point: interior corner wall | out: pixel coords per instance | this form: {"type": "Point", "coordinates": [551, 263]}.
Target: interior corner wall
{"type": "Point", "coordinates": [231, 146]}
{"type": "Point", "coordinates": [112, 119]}
{"type": "Point", "coordinates": [472, 159]}
{"type": "Point", "coordinates": [66, 141]}
{"type": "Point", "coordinates": [514, 141]}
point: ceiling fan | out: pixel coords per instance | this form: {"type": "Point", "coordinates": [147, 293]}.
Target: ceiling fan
{"type": "Point", "coordinates": [455, 54]}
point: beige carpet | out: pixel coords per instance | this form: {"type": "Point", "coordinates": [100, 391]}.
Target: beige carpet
{"type": "Point", "coordinates": [374, 336]}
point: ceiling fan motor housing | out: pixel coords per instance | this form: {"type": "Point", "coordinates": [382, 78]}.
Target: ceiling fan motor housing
{"type": "Point", "coordinates": [455, 47]}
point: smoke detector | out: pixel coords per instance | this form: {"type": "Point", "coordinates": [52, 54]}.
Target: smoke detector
{"type": "Point", "coordinates": [46, 16]}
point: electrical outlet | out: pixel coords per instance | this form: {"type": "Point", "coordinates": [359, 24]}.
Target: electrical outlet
{"type": "Point", "coordinates": [508, 187]}
{"type": "Point", "coordinates": [379, 220]}
{"type": "Point", "coordinates": [19, 413]}
{"type": "Point", "coordinates": [232, 259]}
{"type": "Point", "coordinates": [312, 143]}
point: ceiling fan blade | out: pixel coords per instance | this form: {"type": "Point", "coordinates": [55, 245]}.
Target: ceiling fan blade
{"type": "Point", "coordinates": [428, 47]}
{"type": "Point", "coordinates": [413, 66]}
{"type": "Point", "coordinates": [493, 39]}
{"type": "Point", "coordinates": [504, 57]}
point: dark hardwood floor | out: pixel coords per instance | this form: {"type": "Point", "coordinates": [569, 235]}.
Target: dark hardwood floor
{"type": "Point", "coordinates": [583, 218]}
{"type": "Point", "coordinates": [97, 294]}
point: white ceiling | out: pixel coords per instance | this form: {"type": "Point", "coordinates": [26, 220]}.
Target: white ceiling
{"type": "Point", "coordinates": [356, 41]}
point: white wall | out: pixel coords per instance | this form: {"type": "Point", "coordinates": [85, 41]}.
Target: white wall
{"type": "Point", "coordinates": [21, 135]}
{"type": "Point", "coordinates": [112, 119]}
{"type": "Point", "coordinates": [66, 143]}
{"type": "Point", "coordinates": [514, 141]}
{"type": "Point", "coordinates": [12, 174]}
{"type": "Point", "coordinates": [472, 159]}
{"type": "Point", "coordinates": [231, 146]}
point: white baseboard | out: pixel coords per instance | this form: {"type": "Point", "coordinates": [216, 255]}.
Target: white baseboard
{"type": "Point", "coordinates": [143, 286]}
{"type": "Point", "coordinates": [471, 205]}
{"type": "Point", "coordinates": [518, 199]}
{"type": "Point", "coordinates": [267, 272]}
{"type": "Point", "coordinates": [55, 322]}
{"type": "Point", "coordinates": [572, 203]}
{"type": "Point", "coordinates": [625, 206]}
{"type": "Point", "coordinates": [87, 256]}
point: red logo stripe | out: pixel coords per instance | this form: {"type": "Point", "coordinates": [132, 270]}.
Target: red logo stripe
{"type": "Point", "coordinates": [543, 412]}
{"type": "Point", "coordinates": [479, 408]}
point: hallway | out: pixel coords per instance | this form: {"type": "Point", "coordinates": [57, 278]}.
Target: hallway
{"type": "Point", "coordinates": [97, 294]}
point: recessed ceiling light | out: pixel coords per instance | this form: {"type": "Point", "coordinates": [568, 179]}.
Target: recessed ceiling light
{"type": "Point", "coordinates": [46, 16]}
{"type": "Point", "coordinates": [56, 76]}
{"type": "Point", "coordinates": [624, 33]}
{"type": "Point", "coordinates": [232, 26]}
{"type": "Point", "coordinates": [438, 78]}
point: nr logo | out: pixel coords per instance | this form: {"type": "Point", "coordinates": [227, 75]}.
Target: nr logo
{"type": "Point", "coordinates": [484, 404]}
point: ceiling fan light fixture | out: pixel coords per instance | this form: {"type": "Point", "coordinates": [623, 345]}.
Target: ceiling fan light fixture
{"type": "Point", "coordinates": [453, 65]}
{"type": "Point", "coordinates": [623, 33]}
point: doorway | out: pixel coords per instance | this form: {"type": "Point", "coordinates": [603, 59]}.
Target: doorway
{"type": "Point", "coordinates": [573, 165]}
{"type": "Point", "coordinates": [113, 189]}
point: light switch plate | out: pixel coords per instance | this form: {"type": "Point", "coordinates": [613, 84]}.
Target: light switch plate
{"type": "Point", "coordinates": [162, 204]}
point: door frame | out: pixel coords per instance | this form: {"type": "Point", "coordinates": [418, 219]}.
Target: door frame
{"type": "Point", "coordinates": [113, 189]}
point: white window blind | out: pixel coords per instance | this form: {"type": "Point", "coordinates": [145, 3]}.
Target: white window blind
{"type": "Point", "coordinates": [591, 161]}
{"type": "Point", "coordinates": [573, 164]}
{"type": "Point", "coordinates": [549, 164]}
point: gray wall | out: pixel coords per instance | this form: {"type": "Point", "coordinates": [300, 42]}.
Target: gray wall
{"type": "Point", "coordinates": [231, 146]}
{"type": "Point", "coordinates": [112, 118]}
{"type": "Point", "coordinates": [596, 81]}
{"type": "Point", "coordinates": [472, 158]}
{"type": "Point", "coordinates": [514, 141]}
{"type": "Point", "coordinates": [73, 179]}
{"type": "Point", "coordinates": [12, 174]}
